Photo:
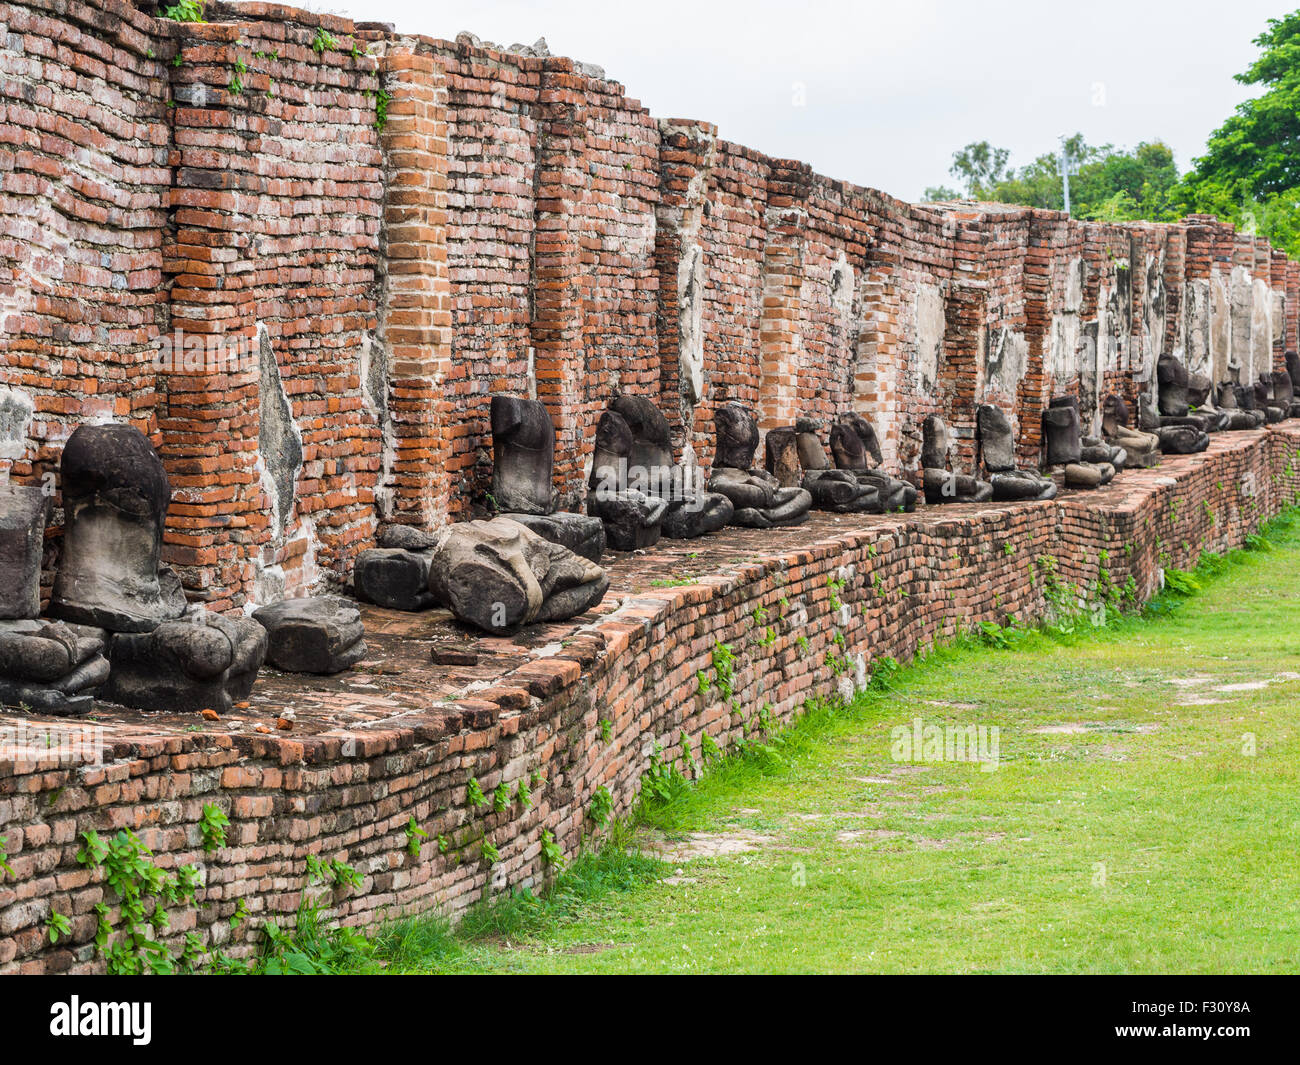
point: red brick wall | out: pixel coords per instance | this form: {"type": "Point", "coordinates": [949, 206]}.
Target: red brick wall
{"type": "Point", "coordinates": [519, 226]}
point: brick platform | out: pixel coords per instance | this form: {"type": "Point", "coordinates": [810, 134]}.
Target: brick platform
{"type": "Point", "coordinates": [402, 736]}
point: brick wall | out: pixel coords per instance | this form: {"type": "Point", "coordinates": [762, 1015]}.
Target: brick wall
{"type": "Point", "coordinates": [907, 582]}
{"type": "Point", "coordinates": [518, 225]}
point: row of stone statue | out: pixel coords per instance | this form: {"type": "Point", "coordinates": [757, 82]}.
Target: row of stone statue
{"type": "Point", "coordinates": [118, 627]}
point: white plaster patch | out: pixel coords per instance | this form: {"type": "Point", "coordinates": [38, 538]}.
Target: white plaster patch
{"type": "Point", "coordinates": [930, 327]}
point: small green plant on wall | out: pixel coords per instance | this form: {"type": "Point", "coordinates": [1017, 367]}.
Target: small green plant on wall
{"type": "Point", "coordinates": [212, 826]}
{"type": "Point", "coordinates": [185, 10]}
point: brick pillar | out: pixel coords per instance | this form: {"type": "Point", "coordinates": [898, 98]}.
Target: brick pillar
{"type": "Point", "coordinates": [686, 155]}
{"type": "Point", "coordinates": [415, 301]}
{"type": "Point", "coordinates": [557, 282]}
{"type": "Point", "coordinates": [208, 415]}
{"type": "Point", "coordinates": [780, 342]}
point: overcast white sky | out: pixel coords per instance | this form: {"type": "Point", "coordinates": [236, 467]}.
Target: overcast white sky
{"type": "Point", "coordinates": [891, 89]}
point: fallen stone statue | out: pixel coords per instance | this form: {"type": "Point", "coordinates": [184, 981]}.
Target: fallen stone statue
{"type": "Point", "coordinates": [998, 451]}
{"type": "Point", "coordinates": [523, 467]}
{"type": "Point", "coordinates": [759, 500]}
{"type": "Point", "coordinates": [496, 575]}
{"type": "Point", "coordinates": [942, 485]}
{"type": "Point", "coordinates": [312, 635]}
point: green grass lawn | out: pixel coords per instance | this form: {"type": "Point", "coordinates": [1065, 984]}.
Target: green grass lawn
{"type": "Point", "coordinates": [1144, 817]}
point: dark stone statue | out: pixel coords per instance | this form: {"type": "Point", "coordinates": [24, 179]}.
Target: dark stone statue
{"type": "Point", "coordinates": [313, 635]}
{"type": "Point", "coordinates": [692, 511]}
{"type": "Point", "coordinates": [1175, 398]}
{"type": "Point", "coordinates": [998, 449]}
{"type": "Point", "coordinates": [940, 484]}
{"type": "Point", "coordinates": [633, 519]}
{"type": "Point", "coordinates": [51, 667]}
{"type": "Point", "coordinates": [1265, 401]}
{"type": "Point", "coordinates": [1238, 418]}
{"type": "Point", "coordinates": [796, 458]}
{"type": "Point", "coordinates": [1142, 449]}
{"type": "Point", "coordinates": [759, 500]}
{"type": "Point", "coordinates": [1063, 437]}
{"type": "Point", "coordinates": [523, 467]}
{"type": "Point", "coordinates": [1293, 372]}
{"type": "Point", "coordinates": [115, 499]}
{"type": "Point", "coordinates": [498, 575]}
{"type": "Point", "coordinates": [857, 449]}
{"type": "Point", "coordinates": [23, 514]}
{"type": "Point", "coordinates": [205, 662]}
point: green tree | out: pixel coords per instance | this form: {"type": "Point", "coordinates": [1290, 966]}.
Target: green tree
{"type": "Point", "coordinates": [979, 166]}
{"type": "Point", "coordinates": [1250, 173]}
{"type": "Point", "coordinates": [1110, 185]}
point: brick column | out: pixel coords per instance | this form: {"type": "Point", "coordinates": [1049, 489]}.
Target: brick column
{"type": "Point", "coordinates": [783, 259]}
{"type": "Point", "coordinates": [415, 297]}
{"type": "Point", "coordinates": [686, 154]}
{"type": "Point", "coordinates": [557, 282]}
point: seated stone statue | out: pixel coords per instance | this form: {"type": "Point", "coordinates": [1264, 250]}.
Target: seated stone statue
{"type": "Point", "coordinates": [318, 634]}
{"type": "Point", "coordinates": [1264, 400]}
{"type": "Point", "coordinates": [1237, 417]}
{"type": "Point", "coordinates": [1174, 439]}
{"type": "Point", "coordinates": [204, 662]}
{"type": "Point", "coordinates": [115, 499]}
{"type": "Point", "coordinates": [998, 450]}
{"type": "Point", "coordinates": [51, 668]}
{"type": "Point", "coordinates": [499, 575]}
{"type": "Point", "coordinates": [633, 518]}
{"type": "Point", "coordinates": [1141, 449]}
{"type": "Point", "coordinates": [691, 511]}
{"type": "Point", "coordinates": [523, 467]}
{"type": "Point", "coordinates": [23, 513]}
{"type": "Point", "coordinates": [940, 484]}
{"type": "Point", "coordinates": [856, 449]}
{"type": "Point", "coordinates": [1065, 448]}
{"type": "Point", "coordinates": [758, 498]}
{"type": "Point", "coordinates": [1283, 392]}
{"type": "Point", "coordinates": [1174, 399]}
{"type": "Point", "coordinates": [1293, 371]}
{"type": "Point", "coordinates": [795, 457]}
